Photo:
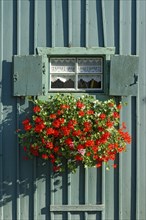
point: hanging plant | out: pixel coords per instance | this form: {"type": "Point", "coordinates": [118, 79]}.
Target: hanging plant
{"type": "Point", "coordinates": [75, 130]}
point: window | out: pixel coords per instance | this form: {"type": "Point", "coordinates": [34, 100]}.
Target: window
{"type": "Point", "coordinates": [76, 74]}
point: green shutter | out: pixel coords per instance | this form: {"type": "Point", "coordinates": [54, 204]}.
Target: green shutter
{"type": "Point", "coordinates": [123, 75]}
{"type": "Point", "coordinates": [30, 75]}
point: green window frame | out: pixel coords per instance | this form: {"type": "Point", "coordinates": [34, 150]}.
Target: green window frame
{"type": "Point", "coordinates": [77, 54]}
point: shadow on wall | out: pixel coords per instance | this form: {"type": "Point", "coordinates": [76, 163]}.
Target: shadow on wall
{"type": "Point", "coordinates": [19, 178]}
{"type": "Point", "coordinates": [23, 183]}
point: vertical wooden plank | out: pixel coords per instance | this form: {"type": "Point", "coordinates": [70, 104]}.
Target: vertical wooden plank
{"type": "Point", "coordinates": [18, 111]}
{"type": "Point", "coordinates": [91, 191]}
{"type": "Point", "coordinates": [42, 190]}
{"type": "Point", "coordinates": [18, 26]}
{"type": "Point", "coordinates": [108, 22]}
{"type": "Point", "coordinates": [93, 37]}
{"type": "Point", "coordinates": [52, 200]}
{"type": "Point", "coordinates": [61, 24]}
{"type": "Point", "coordinates": [57, 194]}
{"type": "Point", "coordinates": [18, 164]}
{"type": "Point", "coordinates": [60, 196]}
{"type": "Point", "coordinates": [25, 175]}
{"type": "Point", "coordinates": [103, 191]}
{"type": "Point", "coordinates": [109, 194]}
{"type": "Point", "coordinates": [116, 25]}
{"type": "Point", "coordinates": [42, 170]}
{"type": "Point", "coordinates": [82, 191]}
{"type": "Point", "coordinates": [34, 12]}
{"type": "Point", "coordinates": [25, 33]}
{"type": "Point", "coordinates": [125, 27]}
{"type": "Point", "coordinates": [53, 22]}
{"type": "Point", "coordinates": [133, 27]}
{"type": "Point", "coordinates": [87, 23]}
{"type": "Point", "coordinates": [8, 123]}
{"type": "Point", "coordinates": [69, 194]}
{"type": "Point", "coordinates": [48, 24]}
{"type": "Point", "coordinates": [86, 191]}
{"type": "Point", "coordinates": [69, 23]}
{"type": "Point", "coordinates": [1, 112]}
{"type": "Point", "coordinates": [78, 23]}
{"type": "Point", "coordinates": [133, 157]}
{"type": "Point", "coordinates": [103, 5]}
{"type": "Point", "coordinates": [36, 208]}
{"type": "Point", "coordinates": [108, 176]}
{"type": "Point", "coordinates": [74, 188]}
{"type": "Point", "coordinates": [125, 169]}
{"type": "Point", "coordinates": [24, 27]}
{"type": "Point", "coordinates": [74, 193]}
{"type": "Point", "coordinates": [125, 159]}
{"type": "Point", "coordinates": [141, 112]}
{"type": "Point", "coordinates": [116, 13]}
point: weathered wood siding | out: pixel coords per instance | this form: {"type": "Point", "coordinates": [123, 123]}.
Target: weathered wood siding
{"type": "Point", "coordinates": [26, 188]}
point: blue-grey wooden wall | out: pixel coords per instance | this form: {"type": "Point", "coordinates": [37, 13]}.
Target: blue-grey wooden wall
{"type": "Point", "coordinates": [26, 187]}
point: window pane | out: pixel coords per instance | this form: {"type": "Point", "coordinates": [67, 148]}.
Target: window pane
{"type": "Point", "coordinates": [90, 65]}
{"type": "Point", "coordinates": [90, 82]}
{"type": "Point", "coordinates": [62, 81]}
{"type": "Point", "coordinates": [62, 65]}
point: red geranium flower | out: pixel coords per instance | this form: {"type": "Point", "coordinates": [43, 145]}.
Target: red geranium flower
{"type": "Point", "coordinates": [68, 141]}
{"type": "Point", "coordinates": [78, 157]}
{"type": "Point", "coordinates": [80, 146]}
{"type": "Point", "coordinates": [56, 168]}
{"type": "Point", "coordinates": [77, 133]}
{"type": "Point", "coordinates": [80, 104]}
{"type": "Point", "coordinates": [49, 145]}
{"type": "Point", "coordinates": [39, 127]}
{"type": "Point", "coordinates": [56, 133]}
{"type": "Point", "coordinates": [116, 115]}
{"type": "Point", "coordinates": [38, 119]}
{"type": "Point", "coordinates": [49, 131]}
{"type": "Point", "coordinates": [98, 164]}
{"type": "Point", "coordinates": [89, 143]}
{"type": "Point", "coordinates": [71, 124]}
{"type": "Point", "coordinates": [56, 149]}
{"type": "Point", "coordinates": [65, 130]}
{"type": "Point", "coordinates": [61, 120]}
{"type": "Point", "coordinates": [26, 121]}
{"type": "Point", "coordinates": [75, 130]}
{"type": "Point", "coordinates": [36, 109]}
{"type": "Point", "coordinates": [27, 127]}
{"type": "Point", "coordinates": [119, 106]}
{"type": "Point", "coordinates": [109, 124]}
{"type": "Point", "coordinates": [34, 150]}
{"type": "Point", "coordinates": [81, 113]}
{"type": "Point", "coordinates": [52, 116]}
{"type": "Point", "coordinates": [90, 112]}
{"type": "Point", "coordinates": [45, 156]}
{"type": "Point", "coordinates": [64, 106]}
{"type": "Point", "coordinates": [56, 123]}
{"type": "Point", "coordinates": [102, 116]}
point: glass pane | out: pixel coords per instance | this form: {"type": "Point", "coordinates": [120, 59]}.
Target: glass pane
{"type": "Point", "coordinates": [62, 65]}
{"type": "Point", "coordinates": [90, 82]}
{"type": "Point", "coordinates": [62, 81]}
{"type": "Point", "coordinates": [90, 65]}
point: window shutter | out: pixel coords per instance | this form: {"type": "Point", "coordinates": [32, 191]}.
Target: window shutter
{"type": "Point", "coordinates": [123, 75]}
{"type": "Point", "coordinates": [30, 75]}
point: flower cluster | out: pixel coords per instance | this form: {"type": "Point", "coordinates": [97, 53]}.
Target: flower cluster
{"type": "Point", "coordinates": [74, 130]}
